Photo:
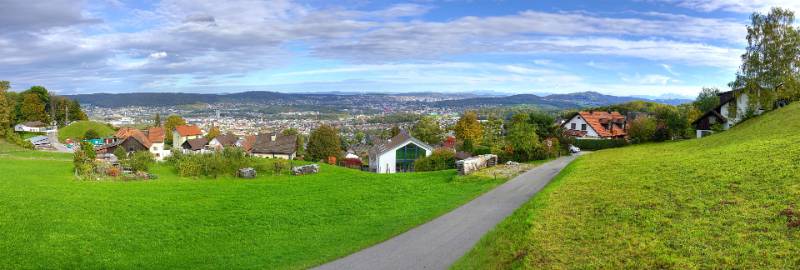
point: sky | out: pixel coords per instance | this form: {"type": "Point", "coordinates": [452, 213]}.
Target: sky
{"type": "Point", "coordinates": [638, 47]}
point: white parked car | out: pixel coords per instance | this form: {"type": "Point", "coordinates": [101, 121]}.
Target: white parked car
{"type": "Point", "coordinates": [574, 149]}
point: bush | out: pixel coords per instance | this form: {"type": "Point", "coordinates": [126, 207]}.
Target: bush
{"type": "Point", "coordinates": [593, 145]}
{"type": "Point", "coordinates": [91, 134]}
{"type": "Point", "coordinates": [279, 165]}
{"type": "Point", "coordinates": [14, 138]}
{"type": "Point", "coordinates": [140, 161]}
{"type": "Point", "coordinates": [226, 162]}
{"type": "Point", "coordinates": [441, 159]}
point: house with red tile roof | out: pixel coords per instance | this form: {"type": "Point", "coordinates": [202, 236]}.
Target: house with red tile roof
{"type": "Point", "coordinates": [133, 140]}
{"type": "Point", "coordinates": [596, 125]}
{"type": "Point", "coordinates": [181, 134]}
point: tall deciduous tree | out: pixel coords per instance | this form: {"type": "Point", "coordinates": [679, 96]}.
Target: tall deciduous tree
{"type": "Point", "coordinates": [468, 128]}
{"type": "Point", "coordinates": [492, 131]}
{"type": "Point", "coordinates": [707, 99]}
{"type": "Point", "coordinates": [170, 124]}
{"type": "Point", "coordinates": [642, 129]}
{"type": "Point", "coordinates": [427, 129]}
{"type": "Point", "coordinates": [522, 138]}
{"type": "Point", "coordinates": [770, 63]}
{"type": "Point", "coordinates": [5, 107]}
{"type": "Point", "coordinates": [323, 143]}
{"type": "Point", "coordinates": [212, 133]}
{"type": "Point", "coordinates": [157, 120]}
{"type": "Point", "coordinates": [32, 108]}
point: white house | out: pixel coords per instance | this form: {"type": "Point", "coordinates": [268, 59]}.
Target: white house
{"type": "Point", "coordinates": [397, 154]}
{"type": "Point", "coordinates": [156, 135]}
{"type": "Point", "coordinates": [182, 134]}
{"type": "Point", "coordinates": [732, 109]}
{"type": "Point", "coordinates": [596, 125]}
{"type": "Point", "coordinates": [34, 126]}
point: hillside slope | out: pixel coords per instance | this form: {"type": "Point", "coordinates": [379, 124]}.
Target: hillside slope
{"type": "Point", "coordinates": [78, 129]}
{"type": "Point", "coordinates": [728, 201]}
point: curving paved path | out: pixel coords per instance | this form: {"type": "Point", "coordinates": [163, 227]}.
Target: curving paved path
{"type": "Point", "coordinates": [440, 242]}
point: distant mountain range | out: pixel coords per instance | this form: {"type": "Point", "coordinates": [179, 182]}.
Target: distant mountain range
{"type": "Point", "coordinates": [553, 101]}
{"type": "Point", "coordinates": [557, 101]}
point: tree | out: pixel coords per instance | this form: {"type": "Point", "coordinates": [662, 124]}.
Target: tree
{"type": "Point", "coordinates": [707, 100]}
{"type": "Point", "coordinates": [212, 133]}
{"type": "Point", "coordinates": [468, 128]}
{"type": "Point", "coordinates": [492, 131]}
{"type": "Point", "coordinates": [5, 107]}
{"type": "Point", "coordinates": [157, 120]}
{"type": "Point", "coordinates": [91, 134]}
{"type": "Point", "coordinates": [394, 131]}
{"type": "Point", "coordinates": [427, 129]}
{"type": "Point", "coordinates": [544, 124]}
{"type": "Point", "coordinates": [522, 138]}
{"type": "Point", "coordinates": [33, 109]}
{"type": "Point", "coordinates": [120, 153]}
{"type": "Point", "coordinates": [642, 129]}
{"type": "Point", "coordinates": [323, 143]}
{"type": "Point", "coordinates": [770, 59]}
{"type": "Point", "coordinates": [300, 147]}
{"type": "Point", "coordinates": [170, 124]}
{"type": "Point", "coordinates": [290, 132]}
{"type": "Point", "coordinates": [359, 137]}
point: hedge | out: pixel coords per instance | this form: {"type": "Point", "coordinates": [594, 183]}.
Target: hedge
{"type": "Point", "coordinates": [594, 145]}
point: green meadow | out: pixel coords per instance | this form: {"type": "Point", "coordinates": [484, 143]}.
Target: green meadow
{"type": "Point", "coordinates": [77, 129]}
{"type": "Point", "coordinates": [50, 220]}
{"type": "Point", "coordinates": [728, 201]}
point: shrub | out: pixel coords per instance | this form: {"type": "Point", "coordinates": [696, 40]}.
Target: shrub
{"type": "Point", "coordinates": [279, 165]}
{"type": "Point", "coordinates": [441, 159]}
{"type": "Point", "coordinates": [140, 161]}
{"type": "Point", "coordinates": [226, 162]}
{"type": "Point", "coordinates": [91, 134]}
{"type": "Point", "coordinates": [14, 138]}
{"type": "Point", "coordinates": [593, 145]}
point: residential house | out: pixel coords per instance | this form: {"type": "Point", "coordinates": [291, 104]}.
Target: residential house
{"type": "Point", "coordinates": [222, 141]}
{"type": "Point", "coordinates": [397, 154]}
{"type": "Point", "coordinates": [596, 125]}
{"type": "Point", "coordinates": [732, 109]}
{"type": "Point", "coordinates": [33, 126]}
{"type": "Point", "coordinates": [157, 135]}
{"type": "Point", "coordinates": [274, 145]}
{"type": "Point", "coordinates": [130, 139]}
{"type": "Point", "coordinates": [183, 133]}
{"type": "Point", "coordinates": [195, 145]}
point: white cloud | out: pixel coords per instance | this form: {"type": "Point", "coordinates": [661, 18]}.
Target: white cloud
{"type": "Point", "coordinates": [158, 55]}
{"type": "Point", "coordinates": [740, 6]}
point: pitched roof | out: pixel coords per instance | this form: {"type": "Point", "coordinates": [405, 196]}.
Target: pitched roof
{"type": "Point", "coordinates": [227, 139]}
{"type": "Point", "coordinates": [185, 131]}
{"type": "Point", "coordinates": [599, 120]}
{"type": "Point", "coordinates": [34, 124]}
{"type": "Point", "coordinates": [126, 132]}
{"type": "Point", "coordinates": [400, 139]}
{"type": "Point", "coordinates": [248, 142]}
{"type": "Point", "coordinates": [155, 134]}
{"type": "Point", "coordinates": [195, 144]}
{"type": "Point", "coordinates": [282, 144]}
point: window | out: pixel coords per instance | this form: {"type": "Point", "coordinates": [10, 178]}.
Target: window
{"type": "Point", "coordinates": [405, 157]}
{"type": "Point", "coordinates": [574, 126]}
{"type": "Point", "coordinates": [583, 127]}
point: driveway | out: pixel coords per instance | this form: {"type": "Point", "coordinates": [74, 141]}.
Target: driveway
{"type": "Point", "coordinates": [440, 242]}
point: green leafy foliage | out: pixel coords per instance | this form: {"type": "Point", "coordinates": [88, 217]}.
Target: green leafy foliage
{"type": "Point", "coordinates": [427, 129]}
{"type": "Point", "coordinates": [323, 143]}
{"type": "Point", "coordinates": [77, 130]}
{"type": "Point", "coordinates": [440, 159]}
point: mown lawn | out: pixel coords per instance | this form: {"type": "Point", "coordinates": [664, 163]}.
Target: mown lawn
{"type": "Point", "coordinates": [714, 203]}
{"type": "Point", "coordinates": [49, 220]}
{"type": "Point", "coordinates": [78, 129]}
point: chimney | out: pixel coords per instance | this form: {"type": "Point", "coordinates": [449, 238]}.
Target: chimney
{"type": "Point", "coordinates": [273, 137]}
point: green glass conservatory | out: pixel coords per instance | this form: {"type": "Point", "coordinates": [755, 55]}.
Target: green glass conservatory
{"type": "Point", "coordinates": [405, 157]}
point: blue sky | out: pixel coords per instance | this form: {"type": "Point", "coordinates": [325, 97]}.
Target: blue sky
{"type": "Point", "coordinates": [640, 47]}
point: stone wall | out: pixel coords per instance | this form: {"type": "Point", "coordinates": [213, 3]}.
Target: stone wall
{"type": "Point", "coordinates": [473, 164]}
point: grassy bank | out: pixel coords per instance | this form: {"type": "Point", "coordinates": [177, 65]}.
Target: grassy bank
{"type": "Point", "coordinates": [77, 129]}
{"type": "Point", "coordinates": [715, 203]}
{"type": "Point", "coordinates": [50, 220]}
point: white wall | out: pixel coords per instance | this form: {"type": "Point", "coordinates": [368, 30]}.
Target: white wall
{"type": "Point", "coordinates": [741, 108]}
{"type": "Point", "coordinates": [578, 121]}
{"type": "Point", "coordinates": [387, 162]}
